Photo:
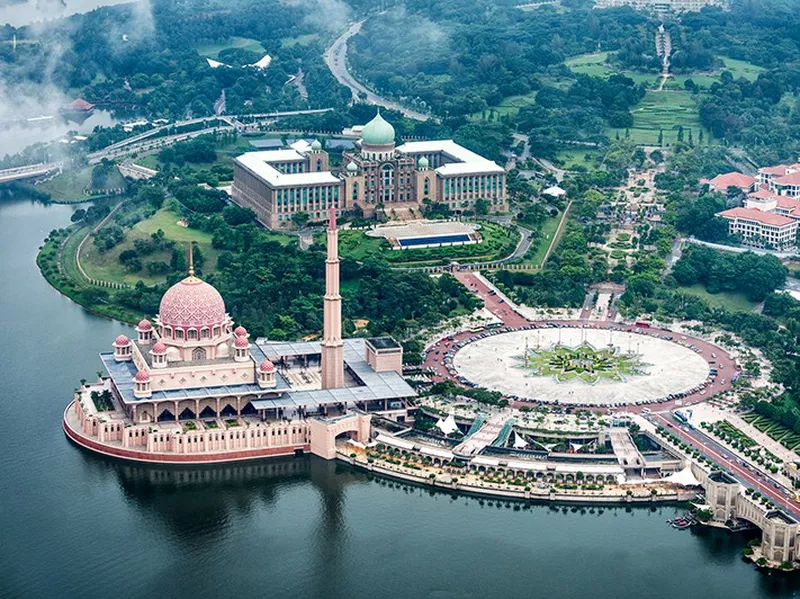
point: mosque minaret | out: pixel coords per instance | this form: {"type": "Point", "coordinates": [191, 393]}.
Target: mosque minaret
{"type": "Point", "coordinates": [332, 345]}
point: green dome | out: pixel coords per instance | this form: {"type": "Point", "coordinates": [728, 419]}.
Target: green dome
{"type": "Point", "coordinates": [422, 162]}
{"type": "Point", "coordinates": [316, 145]}
{"type": "Point", "coordinates": [377, 132]}
{"type": "Point", "coordinates": [351, 167]}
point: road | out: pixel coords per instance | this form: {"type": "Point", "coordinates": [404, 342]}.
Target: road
{"type": "Point", "coordinates": [716, 453]}
{"type": "Point", "coordinates": [28, 172]}
{"type": "Point", "coordinates": [336, 59]}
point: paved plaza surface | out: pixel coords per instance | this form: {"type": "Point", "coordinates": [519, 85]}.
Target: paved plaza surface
{"type": "Point", "coordinates": [496, 363]}
{"type": "Point", "coordinates": [422, 229]}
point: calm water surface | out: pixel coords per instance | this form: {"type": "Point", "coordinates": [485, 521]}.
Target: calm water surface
{"type": "Point", "coordinates": [74, 525]}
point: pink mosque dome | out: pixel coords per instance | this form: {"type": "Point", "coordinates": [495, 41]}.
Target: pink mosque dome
{"type": "Point", "coordinates": [240, 331]}
{"type": "Point", "coordinates": [142, 376]}
{"type": "Point", "coordinates": [144, 325]}
{"type": "Point", "coordinates": [159, 348]}
{"type": "Point", "coordinates": [192, 303]}
{"type": "Point", "coordinates": [241, 342]}
{"type": "Point", "coordinates": [266, 366]}
{"type": "Point", "coordinates": [122, 341]}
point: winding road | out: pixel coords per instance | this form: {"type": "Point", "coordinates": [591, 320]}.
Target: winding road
{"type": "Point", "coordinates": [336, 59]}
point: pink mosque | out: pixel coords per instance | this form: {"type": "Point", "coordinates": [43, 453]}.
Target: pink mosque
{"type": "Point", "coordinates": [193, 388]}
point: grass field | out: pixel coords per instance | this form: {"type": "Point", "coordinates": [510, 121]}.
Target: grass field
{"type": "Point", "coordinates": [68, 187]}
{"type": "Point", "coordinates": [665, 110]}
{"type": "Point", "coordinates": [107, 267]}
{"type": "Point", "coordinates": [212, 50]}
{"type": "Point", "coordinates": [742, 68]}
{"type": "Point", "coordinates": [569, 159]}
{"type": "Point", "coordinates": [299, 40]}
{"type": "Point", "coordinates": [734, 302]}
{"type": "Point", "coordinates": [536, 253]}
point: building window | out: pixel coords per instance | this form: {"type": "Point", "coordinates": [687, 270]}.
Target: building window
{"type": "Point", "coordinates": [388, 175]}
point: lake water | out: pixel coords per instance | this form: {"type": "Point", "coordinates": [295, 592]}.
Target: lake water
{"type": "Point", "coordinates": [16, 137]}
{"type": "Point", "coordinates": [31, 11]}
{"type": "Point", "coordinates": [75, 525]}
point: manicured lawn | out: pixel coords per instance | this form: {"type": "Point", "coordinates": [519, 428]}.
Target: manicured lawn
{"type": "Point", "coordinates": [68, 187]}
{"type": "Point", "coordinates": [538, 250]}
{"type": "Point", "coordinates": [107, 267]}
{"type": "Point", "coordinates": [569, 159]}
{"type": "Point", "coordinates": [299, 40]}
{"type": "Point", "coordinates": [735, 302]}
{"type": "Point", "coordinates": [213, 50]}
{"type": "Point", "coordinates": [497, 242]}
{"type": "Point", "coordinates": [665, 110]}
{"type": "Point", "coordinates": [742, 68]}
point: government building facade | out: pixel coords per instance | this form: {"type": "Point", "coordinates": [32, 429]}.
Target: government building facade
{"type": "Point", "coordinates": [378, 177]}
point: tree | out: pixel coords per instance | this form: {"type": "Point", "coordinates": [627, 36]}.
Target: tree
{"type": "Point", "coordinates": [481, 207]}
{"type": "Point", "coordinates": [300, 219]}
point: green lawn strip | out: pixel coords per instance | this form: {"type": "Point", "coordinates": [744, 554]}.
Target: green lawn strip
{"type": "Point", "coordinates": [535, 255]}
{"type": "Point", "coordinates": [212, 50]}
{"type": "Point", "coordinates": [735, 302]}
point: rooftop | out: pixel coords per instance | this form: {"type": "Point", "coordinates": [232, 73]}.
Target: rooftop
{"type": "Point", "coordinates": [722, 477]}
{"type": "Point", "coordinates": [464, 160]}
{"type": "Point", "coordinates": [734, 179]}
{"type": "Point", "coordinates": [755, 215]}
{"type": "Point", "coordinates": [790, 179]}
{"type": "Point", "coordinates": [383, 343]}
{"type": "Point", "coordinates": [258, 163]}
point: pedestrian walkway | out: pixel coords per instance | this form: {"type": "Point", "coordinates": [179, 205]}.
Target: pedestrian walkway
{"type": "Point", "coordinates": [483, 437]}
{"type": "Point", "coordinates": [625, 449]}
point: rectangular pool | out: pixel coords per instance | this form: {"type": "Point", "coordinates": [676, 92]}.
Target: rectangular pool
{"type": "Point", "coordinates": [434, 240]}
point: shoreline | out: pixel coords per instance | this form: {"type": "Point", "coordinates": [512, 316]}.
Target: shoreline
{"type": "Point", "coordinates": [521, 495]}
{"type": "Point", "coordinates": [146, 457]}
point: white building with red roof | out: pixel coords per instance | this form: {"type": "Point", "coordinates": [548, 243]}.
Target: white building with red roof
{"type": "Point", "coordinates": [760, 228]}
{"type": "Point", "coordinates": [721, 183]}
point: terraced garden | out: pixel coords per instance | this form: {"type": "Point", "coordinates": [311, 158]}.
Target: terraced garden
{"type": "Point", "coordinates": [783, 434]}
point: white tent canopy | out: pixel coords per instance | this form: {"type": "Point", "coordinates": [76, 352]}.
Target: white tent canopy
{"type": "Point", "coordinates": [448, 425]}
{"type": "Point", "coordinates": [519, 441]}
{"type": "Point", "coordinates": [684, 477]}
{"type": "Point", "coordinates": [555, 191]}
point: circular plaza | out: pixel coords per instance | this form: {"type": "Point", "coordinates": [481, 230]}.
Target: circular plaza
{"type": "Point", "coordinates": [587, 366]}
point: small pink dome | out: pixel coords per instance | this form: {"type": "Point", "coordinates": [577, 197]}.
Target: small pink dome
{"type": "Point", "coordinates": [144, 325]}
{"type": "Point", "coordinates": [159, 348]}
{"type": "Point", "coordinates": [266, 366]}
{"type": "Point", "coordinates": [142, 376]}
{"type": "Point", "coordinates": [122, 341]}
{"type": "Point", "coordinates": [241, 342]}
{"type": "Point", "coordinates": [192, 303]}
{"type": "Point", "coordinates": [240, 331]}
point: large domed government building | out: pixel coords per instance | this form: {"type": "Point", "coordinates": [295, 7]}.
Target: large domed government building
{"type": "Point", "coordinates": [193, 387]}
{"type": "Point", "coordinates": [377, 175]}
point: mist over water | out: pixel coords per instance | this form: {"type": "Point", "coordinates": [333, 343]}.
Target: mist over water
{"type": "Point", "coordinates": [31, 11]}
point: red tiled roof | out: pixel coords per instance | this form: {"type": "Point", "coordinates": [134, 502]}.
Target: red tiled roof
{"type": "Point", "coordinates": [723, 182]}
{"type": "Point", "coordinates": [80, 104]}
{"type": "Point", "coordinates": [779, 170]}
{"type": "Point", "coordinates": [763, 193]}
{"type": "Point", "coordinates": [765, 218]}
{"type": "Point", "coordinates": [793, 179]}
{"type": "Point", "coordinates": [787, 203]}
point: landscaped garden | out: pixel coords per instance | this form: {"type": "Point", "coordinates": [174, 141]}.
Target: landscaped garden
{"type": "Point", "coordinates": [584, 363]}
{"type": "Point", "coordinates": [784, 435]}
{"type": "Point", "coordinates": [496, 242]}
